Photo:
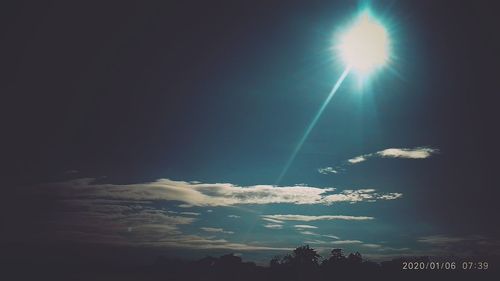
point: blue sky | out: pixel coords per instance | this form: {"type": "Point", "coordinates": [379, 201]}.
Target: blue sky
{"type": "Point", "coordinates": [193, 218]}
{"type": "Point", "coordinates": [169, 127]}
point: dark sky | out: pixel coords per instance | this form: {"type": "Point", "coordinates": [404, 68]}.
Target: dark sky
{"type": "Point", "coordinates": [220, 92]}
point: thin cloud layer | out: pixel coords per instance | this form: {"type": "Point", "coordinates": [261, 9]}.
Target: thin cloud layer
{"type": "Point", "coordinates": [307, 232]}
{"type": "Point", "coordinates": [465, 244]}
{"type": "Point", "coordinates": [315, 218]}
{"type": "Point", "coordinates": [273, 220]}
{"type": "Point", "coordinates": [343, 242]}
{"type": "Point", "coordinates": [144, 214]}
{"type": "Point", "coordinates": [273, 226]}
{"type": "Point", "coordinates": [135, 223]}
{"type": "Point", "coordinates": [444, 239]}
{"type": "Point", "coordinates": [217, 230]}
{"type": "Point", "coordinates": [303, 226]}
{"type": "Point", "coordinates": [217, 194]}
{"type": "Point", "coordinates": [190, 213]}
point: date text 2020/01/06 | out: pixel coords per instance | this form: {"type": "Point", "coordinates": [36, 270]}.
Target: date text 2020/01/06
{"type": "Point", "coordinates": [431, 265]}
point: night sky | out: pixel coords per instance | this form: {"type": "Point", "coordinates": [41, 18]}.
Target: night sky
{"type": "Point", "coordinates": [164, 128]}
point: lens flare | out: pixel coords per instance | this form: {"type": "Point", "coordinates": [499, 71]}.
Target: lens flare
{"type": "Point", "coordinates": [365, 46]}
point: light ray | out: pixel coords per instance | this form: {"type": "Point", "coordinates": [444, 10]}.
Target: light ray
{"type": "Point", "coordinates": [313, 123]}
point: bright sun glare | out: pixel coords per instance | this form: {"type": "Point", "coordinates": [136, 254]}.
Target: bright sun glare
{"type": "Point", "coordinates": [365, 45]}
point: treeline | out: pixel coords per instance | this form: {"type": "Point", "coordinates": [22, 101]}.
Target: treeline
{"type": "Point", "coordinates": [304, 263]}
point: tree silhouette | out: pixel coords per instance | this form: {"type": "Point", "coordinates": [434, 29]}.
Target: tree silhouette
{"type": "Point", "coordinates": [337, 255]}
{"type": "Point", "coordinates": [306, 256]}
{"type": "Point", "coordinates": [275, 262]}
{"type": "Point", "coordinates": [302, 256]}
{"type": "Point", "coordinates": [354, 258]}
{"type": "Point", "coordinates": [336, 259]}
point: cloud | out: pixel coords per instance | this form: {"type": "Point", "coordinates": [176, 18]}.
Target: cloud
{"type": "Point", "coordinates": [368, 245]}
{"type": "Point", "coordinates": [415, 153]}
{"type": "Point", "coordinates": [442, 239]}
{"type": "Point", "coordinates": [303, 231]}
{"type": "Point", "coordinates": [331, 236]}
{"type": "Point", "coordinates": [406, 153]}
{"type": "Point", "coordinates": [302, 226]}
{"type": "Point", "coordinates": [353, 196]}
{"type": "Point", "coordinates": [338, 242]}
{"type": "Point", "coordinates": [342, 242]}
{"type": "Point", "coordinates": [217, 230]}
{"type": "Point", "coordinates": [272, 220]}
{"type": "Point", "coordinates": [196, 242]}
{"type": "Point", "coordinates": [121, 215]}
{"type": "Point", "coordinates": [315, 242]}
{"type": "Point", "coordinates": [327, 170]}
{"type": "Point", "coordinates": [357, 159]}
{"type": "Point", "coordinates": [309, 233]}
{"type": "Point", "coordinates": [185, 206]}
{"type": "Point", "coordinates": [315, 218]}
{"type": "Point", "coordinates": [190, 213]}
{"type": "Point", "coordinates": [217, 194]}
{"type": "Point", "coordinates": [112, 223]}
{"type": "Point", "coordinates": [233, 216]}
{"type": "Point", "coordinates": [92, 211]}
{"type": "Point", "coordinates": [273, 226]}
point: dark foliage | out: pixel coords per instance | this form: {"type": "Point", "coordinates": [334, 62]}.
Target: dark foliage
{"type": "Point", "coordinates": [303, 263]}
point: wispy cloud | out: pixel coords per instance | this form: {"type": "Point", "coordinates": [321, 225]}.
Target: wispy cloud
{"type": "Point", "coordinates": [185, 206]}
{"type": "Point", "coordinates": [342, 242]}
{"type": "Point", "coordinates": [443, 239]}
{"type": "Point", "coordinates": [307, 232]}
{"type": "Point", "coordinates": [374, 246]}
{"type": "Point", "coordinates": [214, 229]}
{"type": "Point", "coordinates": [338, 242]}
{"type": "Point", "coordinates": [316, 218]}
{"type": "Point", "coordinates": [327, 170]}
{"type": "Point", "coordinates": [190, 213]}
{"type": "Point", "coordinates": [100, 214]}
{"type": "Point", "coordinates": [315, 242]}
{"type": "Point", "coordinates": [196, 242]}
{"type": "Point", "coordinates": [234, 216]}
{"type": "Point", "coordinates": [303, 226]}
{"type": "Point", "coordinates": [273, 226]}
{"type": "Point", "coordinates": [217, 194]}
{"type": "Point", "coordinates": [135, 214]}
{"type": "Point", "coordinates": [272, 220]}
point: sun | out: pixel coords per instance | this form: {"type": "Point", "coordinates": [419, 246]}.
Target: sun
{"type": "Point", "coordinates": [365, 45]}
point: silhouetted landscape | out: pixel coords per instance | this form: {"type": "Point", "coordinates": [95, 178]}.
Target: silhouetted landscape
{"type": "Point", "coordinates": [303, 263]}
